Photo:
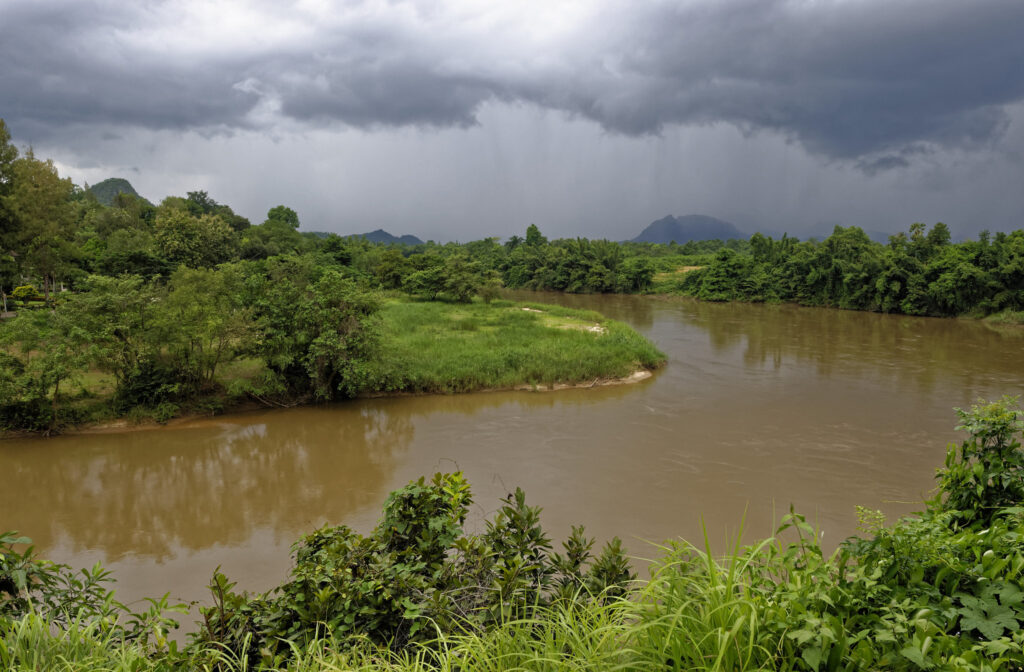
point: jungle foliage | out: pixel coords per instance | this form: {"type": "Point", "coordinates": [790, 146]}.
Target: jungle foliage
{"type": "Point", "coordinates": [922, 273]}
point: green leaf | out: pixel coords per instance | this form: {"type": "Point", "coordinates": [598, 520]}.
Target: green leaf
{"type": "Point", "coordinates": [812, 656]}
{"type": "Point", "coordinates": [801, 636]}
{"type": "Point", "coordinates": [917, 657]}
{"type": "Point", "coordinates": [989, 618]}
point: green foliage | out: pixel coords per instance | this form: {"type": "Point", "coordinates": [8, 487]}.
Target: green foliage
{"type": "Point", "coordinates": [24, 294]}
{"type": "Point", "coordinates": [445, 347]}
{"type": "Point", "coordinates": [51, 350]}
{"type": "Point", "coordinates": [285, 215]}
{"type": "Point", "coordinates": [64, 599]}
{"type": "Point", "coordinates": [985, 474]}
{"type": "Point", "coordinates": [919, 274]}
{"type": "Point", "coordinates": [37, 205]}
{"type": "Point", "coordinates": [207, 323]}
{"type": "Point", "coordinates": [196, 242]}
{"type": "Point", "coordinates": [417, 576]}
{"type": "Point", "coordinates": [316, 330]}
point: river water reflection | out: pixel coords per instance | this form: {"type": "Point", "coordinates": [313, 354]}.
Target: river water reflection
{"type": "Point", "coordinates": [760, 407]}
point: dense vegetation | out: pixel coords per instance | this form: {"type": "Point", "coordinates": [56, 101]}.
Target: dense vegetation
{"type": "Point", "coordinates": [283, 333]}
{"type": "Point", "coordinates": [54, 235]}
{"type": "Point", "coordinates": [943, 590]}
{"type": "Point", "coordinates": [186, 306]}
{"type": "Point", "coordinates": [142, 310]}
{"type": "Point", "coordinates": [920, 274]}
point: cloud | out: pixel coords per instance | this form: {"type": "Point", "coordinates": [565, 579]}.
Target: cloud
{"type": "Point", "coordinates": [870, 82]}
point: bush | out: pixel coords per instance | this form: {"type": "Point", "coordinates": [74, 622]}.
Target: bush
{"type": "Point", "coordinates": [25, 293]}
{"type": "Point", "coordinates": [65, 598]}
{"type": "Point", "coordinates": [150, 385]}
{"type": "Point", "coordinates": [986, 473]}
{"type": "Point", "coordinates": [32, 415]}
{"type": "Point", "coordinates": [417, 576]}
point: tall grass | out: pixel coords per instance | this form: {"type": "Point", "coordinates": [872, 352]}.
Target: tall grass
{"type": "Point", "coordinates": [568, 637]}
{"type": "Point", "coordinates": [440, 347]}
{"type": "Point", "coordinates": [701, 613]}
{"type": "Point", "coordinates": [33, 644]}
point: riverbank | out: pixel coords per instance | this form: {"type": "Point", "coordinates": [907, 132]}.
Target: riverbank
{"type": "Point", "coordinates": [426, 347]}
{"type": "Point", "coordinates": [431, 347]}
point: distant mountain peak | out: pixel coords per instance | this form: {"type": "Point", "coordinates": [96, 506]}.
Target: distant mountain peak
{"type": "Point", "coordinates": [107, 190]}
{"type": "Point", "coordinates": [685, 228]}
{"type": "Point", "coordinates": [382, 236]}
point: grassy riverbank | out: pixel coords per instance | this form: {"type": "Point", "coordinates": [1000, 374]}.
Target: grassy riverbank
{"type": "Point", "coordinates": [445, 347]}
{"type": "Point", "coordinates": [423, 347]}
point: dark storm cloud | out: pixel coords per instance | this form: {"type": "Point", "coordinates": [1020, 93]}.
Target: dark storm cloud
{"type": "Point", "coordinates": [68, 64]}
{"type": "Point", "coordinates": [872, 81]}
{"type": "Point", "coordinates": [847, 78]}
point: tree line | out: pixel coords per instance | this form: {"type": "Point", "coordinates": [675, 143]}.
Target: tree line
{"type": "Point", "coordinates": [917, 273]}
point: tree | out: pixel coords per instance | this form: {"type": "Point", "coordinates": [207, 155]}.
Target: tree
{"type": "Point", "coordinates": [427, 283]}
{"type": "Point", "coordinates": [316, 329]}
{"type": "Point", "coordinates": [120, 317]}
{"type": "Point", "coordinates": [534, 236]}
{"type": "Point", "coordinates": [39, 202]}
{"type": "Point", "coordinates": [283, 214]}
{"type": "Point", "coordinates": [8, 154]}
{"type": "Point", "coordinates": [391, 268]}
{"type": "Point", "coordinates": [54, 349]}
{"type": "Point", "coordinates": [205, 322]}
{"type": "Point", "coordinates": [637, 274]}
{"type": "Point", "coordinates": [195, 242]}
{"type": "Point", "coordinates": [8, 277]}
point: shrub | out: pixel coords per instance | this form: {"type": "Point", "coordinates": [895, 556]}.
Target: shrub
{"type": "Point", "coordinates": [986, 473]}
{"type": "Point", "coordinates": [416, 577]}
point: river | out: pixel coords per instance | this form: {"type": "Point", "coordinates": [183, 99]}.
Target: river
{"type": "Point", "coordinates": [759, 408]}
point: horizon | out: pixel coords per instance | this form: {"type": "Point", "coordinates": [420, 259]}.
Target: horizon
{"type": "Point", "coordinates": [822, 231]}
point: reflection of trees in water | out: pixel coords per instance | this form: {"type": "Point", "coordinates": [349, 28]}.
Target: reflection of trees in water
{"type": "Point", "coordinates": [927, 351]}
{"type": "Point", "coordinates": [152, 492]}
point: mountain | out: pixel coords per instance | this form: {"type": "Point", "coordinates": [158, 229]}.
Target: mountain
{"type": "Point", "coordinates": [382, 236]}
{"type": "Point", "coordinates": [107, 190]}
{"type": "Point", "coordinates": [686, 228]}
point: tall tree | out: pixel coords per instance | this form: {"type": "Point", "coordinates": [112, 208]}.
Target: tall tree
{"type": "Point", "coordinates": [284, 215]}
{"type": "Point", "coordinates": [8, 153]}
{"type": "Point", "coordinates": [194, 241]}
{"type": "Point", "coordinates": [39, 201]}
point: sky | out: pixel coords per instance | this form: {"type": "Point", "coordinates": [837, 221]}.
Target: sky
{"type": "Point", "coordinates": [462, 119]}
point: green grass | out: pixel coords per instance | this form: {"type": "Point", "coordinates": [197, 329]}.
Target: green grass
{"type": "Point", "coordinates": [31, 644]}
{"type": "Point", "coordinates": [1006, 317]}
{"type": "Point", "coordinates": [443, 347]}
{"type": "Point", "coordinates": [430, 347]}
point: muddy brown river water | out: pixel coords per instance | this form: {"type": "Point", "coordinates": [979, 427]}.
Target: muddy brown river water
{"type": "Point", "coordinates": [759, 407]}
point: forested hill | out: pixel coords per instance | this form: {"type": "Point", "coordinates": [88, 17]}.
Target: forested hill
{"type": "Point", "coordinates": [686, 228]}
{"type": "Point", "coordinates": [107, 190]}
{"type": "Point", "coordinates": [382, 236]}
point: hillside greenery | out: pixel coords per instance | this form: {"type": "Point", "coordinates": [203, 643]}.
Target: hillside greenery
{"type": "Point", "coordinates": [940, 590]}
{"type": "Point", "coordinates": [107, 191]}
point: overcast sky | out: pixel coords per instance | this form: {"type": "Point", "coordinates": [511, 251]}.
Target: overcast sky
{"type": "Point", "coordinates": [459, 119]}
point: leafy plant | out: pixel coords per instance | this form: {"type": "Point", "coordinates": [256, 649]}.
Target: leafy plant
{"type": "Point", "coordinates": [986, 473]}
{"type": "Point", "coordinates": [64, 598]}
{"type": "Point", "coordinates": [417, 577]}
